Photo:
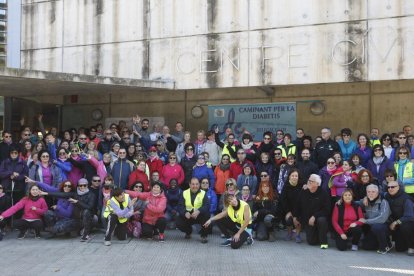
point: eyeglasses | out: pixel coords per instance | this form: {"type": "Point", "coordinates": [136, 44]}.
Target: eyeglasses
{"type": "Point", "coordinates": [330, 162]}
{"type": "Point", "coordinates": [96, 180]}
{"type": "Point", "coordinates": [392, 187]}
{"type": "Point", "coordinates": [62, 153]}
{"type": "Point", "coordinates": [402, 137]}
{"type": "Point", "coordinates": [82, 185]}
{"type": "Point", "coordinates": [44, 156]}
{"type": "Point", "coordinates": [402, 153]}
{"type": "Point", "coordinates": [264, 175]}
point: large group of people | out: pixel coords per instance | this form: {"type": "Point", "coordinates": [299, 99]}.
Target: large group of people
{"type": "Point", "coordinates": [133, 182]}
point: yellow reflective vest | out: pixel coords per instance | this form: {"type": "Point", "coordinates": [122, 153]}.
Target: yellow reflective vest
{"type": "Point", "coordinates": [407, 174]}
{"type": "Point", "coordinates": [109, 210]}
{"type": "Point", "coordinates": [198, 201]}
{"type": "Point", "coordinates": [291, 149]}
{"type": "Point", "coordinates": [238, 216]}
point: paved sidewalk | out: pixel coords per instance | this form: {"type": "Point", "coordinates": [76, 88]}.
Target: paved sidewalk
{"type": "Point", "coordinates": [178, 256]}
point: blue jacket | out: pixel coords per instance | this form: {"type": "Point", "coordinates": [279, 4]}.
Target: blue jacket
{"type": "Point", "coordinates": [173, 197]}
{"type": "Point", "coordinates": [347, 149]}
{"type": "Point", "coordinates": [7, 167]}
{"type": "Point", "coordinates": [204, 171]}
{"type": "Point", "coordinates": [250, 180]}
{"type": "Point", "coordinates": [35, 173]}
{"type": "Point", "coordinates": [378, 173]}
{"type": "Point", "coordinates": [364, 154]}
{"type": "Point", "coordinates": [120, 171]}
{"type": "Point", "coordinates": [213, 201]}
{"type": "Point", "coordinates": [64, 166]}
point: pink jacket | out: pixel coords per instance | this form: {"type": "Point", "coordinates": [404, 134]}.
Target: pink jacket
{"type": "Point", "coordinates": [169, 172]}
{"type": "Point", "coordinates": [100, 168]}
{"type": "Point", "coordinates": [155, 207]}
{"type": "Point", "coordinates": [26, 204]}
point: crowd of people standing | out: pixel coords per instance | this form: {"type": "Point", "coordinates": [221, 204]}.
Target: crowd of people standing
{"type": "Point", "coordinates": [135, 182]}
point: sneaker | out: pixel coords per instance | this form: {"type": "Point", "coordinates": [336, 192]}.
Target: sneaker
{"type": "Point", "coordinates": [187, 236]}
{"type": "Point", "coordinates": [161, 238]}
{"type": "Point", "coordinates": [85, 238]}
{"type": "Point", "coordinates": [298, 238]}
{"type": "Point", "coordinates": [107, 243]}
{"type": "Point", "coordinates": [226, 243]}
{"type": "Point", "coordinates": [250, 241]}
{"type": "Point", "coordinates": [324, 246]}
{"type": "Point", "coordinates": [354, 247]}
{"type": "Point", "coordinates": [22, 235]}
{"type": "Point", "coordinates": [289, 236]}
{"type": "Point", "coordinates": [410, 252]}
{"type": "Point", "coordinates": [204, 240]}
{"type": "Point", "coordinates": [382, 252]}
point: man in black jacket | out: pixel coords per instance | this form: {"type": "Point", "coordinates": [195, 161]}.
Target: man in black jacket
{"type": "Point", "coordinates": [193, 208]}
{"type": "Point", "coordinates": [306, 166]}
{"type": "Point", "coordinates": [5, 145]}
{"type": "Point", "coordinates": [325, 148]}
{"type": "Point", "coordinates": [311, 212]}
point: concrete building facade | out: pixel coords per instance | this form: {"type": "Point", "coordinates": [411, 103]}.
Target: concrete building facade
{"type": "Point", "coordinates": [355, 57]}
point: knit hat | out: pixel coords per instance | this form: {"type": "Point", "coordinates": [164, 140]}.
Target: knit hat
{"type": "Point", "coordinates": [152, 148]}
{"type": "Point", "coordinates": [83, 181]}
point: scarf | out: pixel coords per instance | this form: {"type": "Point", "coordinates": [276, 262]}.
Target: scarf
{"type": "Point", "coordinates": [82, 193]}
{"type": "Point", "coordinates": [152, 158]}
{"type": "Point", "coordinates": [378, 160]}
{"type": "Point", "coordinates": [245, 198]}
{"type": "Point", "coordinates": [331, 171]}
{"type": "Point", "coordinates": [224, 167]}
{"type": "Point", "coordinates": [247, 146]}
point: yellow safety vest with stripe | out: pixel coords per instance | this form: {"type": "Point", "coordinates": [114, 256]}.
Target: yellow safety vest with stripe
{"type": "Point", "coordinates": [226, 151]}
{"type": "Point", "coordinates": [291, 150]}
{"type": "Point", "coordinates": [407, 174]}
{"type": "Point", "coordinates": [198, 201]}
{"type": "Point", "coordinates": [109, 210]}
{"type": "Point", "coordinates": [238, 216]}
{"type": "Point", "coordinates": [375, 142]}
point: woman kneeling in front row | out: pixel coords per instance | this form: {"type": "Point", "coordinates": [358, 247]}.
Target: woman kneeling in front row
{"type": "Point", "coordinates": [235, 221]}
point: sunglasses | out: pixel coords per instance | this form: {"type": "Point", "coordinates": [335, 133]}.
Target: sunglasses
{"type": "Point", "coordinates": [240, 153]}
{"type": "Point", "coordinates": [82, 185]}
{"type": "Point", "coordinates": [403, 153]}
{"type": "Point", "coordinates": [96, 180]}
{"type": "Point", "coordinates": [402, 137]}
{"type": "Point", "coordinates": [82, 138]}
{"type": "Point", "coordinates": [264, 175]}
{"type": "Point", "coordinates": [173, 158]}
{"type": "Point", "coordinates": [364, 175]}
{"type": "Point", "coordinates": [108, 133]}
{"type": "Point", "coordinates": [386, 139]}
{"type": "Point", "coordinates": [62, 153]}
{"type": "Point", "coordinates": [391, 187]}
{"type": "Point", "coordinates": [138, 186]}
{"type": "Point", "coordinates": [376, 150]}
{"type": "Point", "coordinates": [67, 186]}
{"type": "Point", "coordinates": [26, 134]}
{"type": "Point", "coordinates": [266, 138]}
{"type": "Point", "coordinates": [330, 162]}
{"type": "Point", "coordinates": [229, 184]}
{"type": "Point", "coordinates": [75, 151]}
{"type": "Point", "coordinates": [44, 156]}
{"type": "Point", "coordinates": [7, 136]}
{"type": "Point", "coordinates": [159, 145]}
{"type": "Point", "coordinates": [205, 182]}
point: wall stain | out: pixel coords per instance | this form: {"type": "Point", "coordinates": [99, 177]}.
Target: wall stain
{"type": "Point", "coordinates": [145, 71]}
{"type": "Point", "coordinates": [212, 40]}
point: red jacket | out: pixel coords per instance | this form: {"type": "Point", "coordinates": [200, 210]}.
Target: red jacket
{"type": "Point", "coordinates": [349, 217]}
{"type": "Point", "coordinates": [236, 168]}
{"type": "Point", "coordinates": [155, 207]}
{"type": "Point", "coordinates": [138, 175]}
{"type": "Point", "coordinates": [169, 172]}
{"type": "Point", "coordinates": [155, 165]}
{"type": "Point", "coordinates": [26, 204]}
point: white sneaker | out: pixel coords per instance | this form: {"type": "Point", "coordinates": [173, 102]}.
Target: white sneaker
{"type": "Point", "coordinates": [354, 247]}
{"type": "Point", "coordinates": [107, 243]}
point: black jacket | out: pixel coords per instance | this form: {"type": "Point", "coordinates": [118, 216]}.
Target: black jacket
{"type": "Point", "coordinates": [7, 167]}
{"type": "Point", "coordinates": [324, 150]}
{"type": "Point", "coordinates": [205, 208]}
{"type": "Point", "coordinates": [288, 198]}
{"type": "Point", "coordinates": [307, 168]}
{"type": "Point", "coordinates": [309, 204]}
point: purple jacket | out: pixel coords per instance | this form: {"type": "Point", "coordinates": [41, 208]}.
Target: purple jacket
{"type": "Point", "coordinates": [64, 208]}
{"type": "Point", "coordinates": [378, 171]}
